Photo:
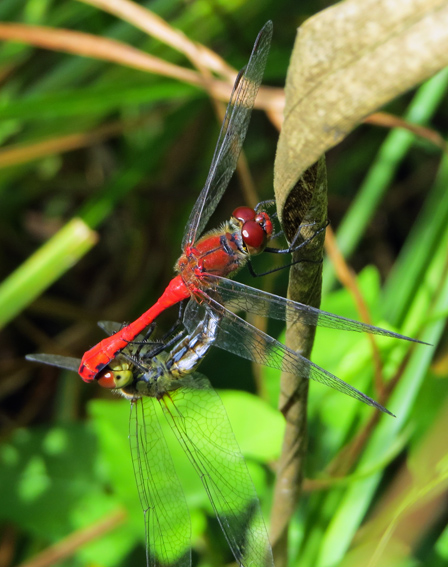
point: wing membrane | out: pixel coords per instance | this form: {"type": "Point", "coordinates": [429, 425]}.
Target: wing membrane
{"type": "Point", "coordinates": [239, 337]}
{"type": "Point", "coordinates": [167, 519]}
{"type": "Point", "coordinates": [200, 423]}
{"type": "Point", "coordinates": [240, 297]}
{"type": "Point", "coordinates": [110, 327]}
{"type": "Point", "coordinates": [65, 362]}
{"type": "Point", "coordinates": [231, 137]}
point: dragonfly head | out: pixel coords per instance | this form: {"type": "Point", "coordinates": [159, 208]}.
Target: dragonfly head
{"type": "Point", "coordinates": [116, 375]}
{"type": "Point", "coordinates": [256, 228]}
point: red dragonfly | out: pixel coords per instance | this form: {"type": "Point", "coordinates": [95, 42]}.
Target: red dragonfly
{"type": "Point", "coordinates": [147, 375]}
{"type": "Point", "coordinates": [206, 263]}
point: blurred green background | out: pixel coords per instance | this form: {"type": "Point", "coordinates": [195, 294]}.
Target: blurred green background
{"type": "Point", "coordinates": [64, 455]}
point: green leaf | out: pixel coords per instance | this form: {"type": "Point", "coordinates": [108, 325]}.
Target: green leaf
{"type": "Point", "coordinates": [257, 426]}
{"type": "Point", "coordinates": [102, 99]}
{"type": "Point", "coordinates": [44, 267]}
{"type": "Point", "coordinates": [50, 475]}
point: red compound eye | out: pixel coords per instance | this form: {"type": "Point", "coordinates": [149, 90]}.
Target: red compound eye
{"type": "Point", "coordinates": [244, 214]}
{"type": "Point", "coordinates": [264, 220]}
{"type": "Point", "coordinates": [254, 235]}
{"type": "Point", "coordinates": [106, 379]}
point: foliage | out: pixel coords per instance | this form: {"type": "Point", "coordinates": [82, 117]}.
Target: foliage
{"type": "Point", "coordinates": [124, 153]}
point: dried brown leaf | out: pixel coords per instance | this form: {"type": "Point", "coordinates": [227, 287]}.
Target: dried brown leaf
{"type": "Point", "coordinates": [88, 45]}
{"type": "Point", "coordinates": [155, 26]}
{"type": "Point", "coordinates": [348, 61]}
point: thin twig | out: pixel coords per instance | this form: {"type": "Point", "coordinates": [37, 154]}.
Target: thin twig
{"type": "Point", "coordinates": [68, 546]}
{"type": "Point", "coordinates": [155, 26]}
{"type": "Point", "coordinates": [23, 153]}
{"type": "Point", "coordinates": [88, 45]}
{"type": "Point", "coordinates": [387, 120]}
{"type": "Point", "coordinates": [306, 203]}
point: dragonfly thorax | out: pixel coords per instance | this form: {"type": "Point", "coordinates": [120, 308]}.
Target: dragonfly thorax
{"type": "Point", "coordinates": [226, 250]}
{"type": "Point", "coordinates": [219, 252]}
{"type": "Point", "coordinates": [150, 379]}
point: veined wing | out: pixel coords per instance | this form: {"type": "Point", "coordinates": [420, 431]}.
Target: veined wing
{"type": "Point", "coordinates": [240, 297]}
{"type": "Point", "coordinates": [110, 327]}
{"type": "Point", "coordinates": [72, 363]}
{"type": "Point", "coordinates": [200, 423]}
{"type": "Point", "coordinates": [243, 339]}
{"type": "Point", "coordinates": [167, 519]}
{"type": "Point", "coordinates": [65, 362]}
{"type": "Point", "coordinates": [231, 137]}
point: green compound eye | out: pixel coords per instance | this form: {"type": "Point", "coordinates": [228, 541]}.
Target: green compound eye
{"type": "Point", "coordinates": [113, 379]}
{"type": "Point", "coordinates": [123, 378]}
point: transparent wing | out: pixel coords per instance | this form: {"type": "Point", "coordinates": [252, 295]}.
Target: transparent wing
{"type": "Point", "coordinates": [167, 519]}
{"type": "Point", "coordinates": [66, 362]}
{"type": "Point", "coordinates": [231, 137]}
{"type": "Point", "coordinates": [110, 327]}
{"type": "Point", "coordinates": [238, 336]}
{"type": "Point", "coordinates": [71, 363]}
{"type": "Point", "coordinates": [200, 423]}
{"type": "Point", "coordinates": [240, 297]}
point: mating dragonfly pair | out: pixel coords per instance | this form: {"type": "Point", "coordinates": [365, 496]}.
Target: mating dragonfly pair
{"type": "Point", "coordinates": [146, 372]}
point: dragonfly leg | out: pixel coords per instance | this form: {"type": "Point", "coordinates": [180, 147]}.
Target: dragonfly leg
{"type": "Point", "coordinates": [165, 344]}
{"type": "Point", "coordinates": [178, 322]}
{"type": "Point", "coordinates": [293, 247]}
{"type": "Point", "coordinates": [168, 339]}
{"type": "Point", "coordinates": [263, 205]}
{"type": "Point", "coordinates": [254, 274]}
{"type": "Point", "coordinates": [150, 349]}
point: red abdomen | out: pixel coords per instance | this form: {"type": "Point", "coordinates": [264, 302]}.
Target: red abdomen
{"type": "Point", "coordinates": [95, 359]}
